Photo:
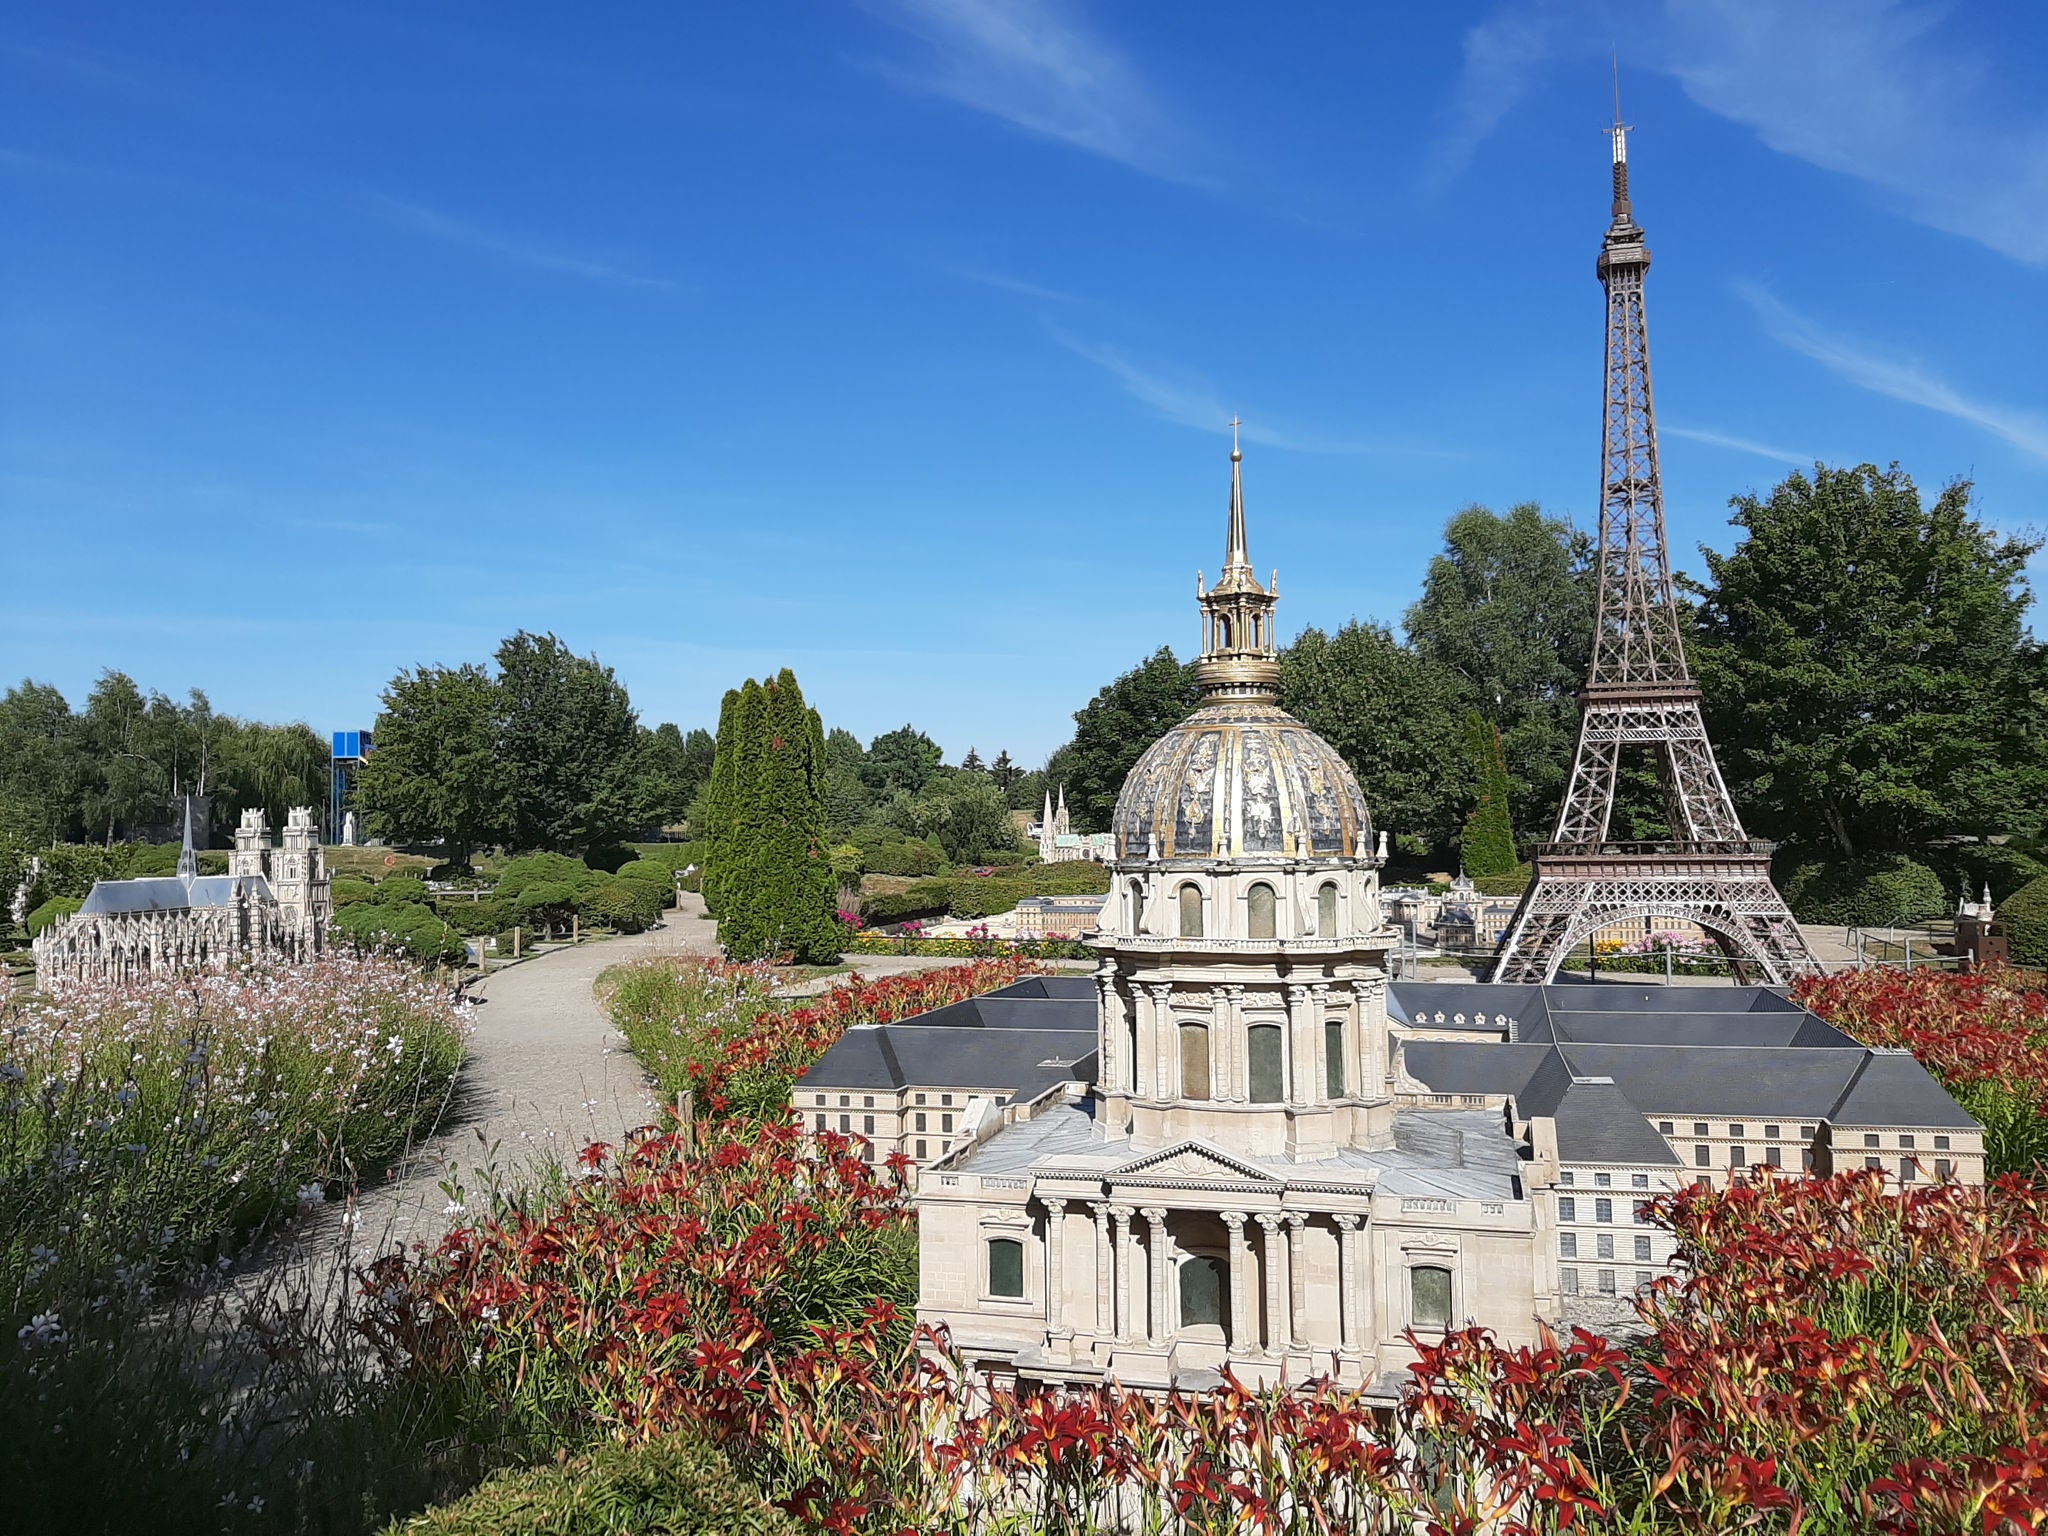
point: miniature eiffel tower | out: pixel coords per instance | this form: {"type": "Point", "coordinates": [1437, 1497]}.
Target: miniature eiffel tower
{"type": "Point", "coordinates": [1641, 694]}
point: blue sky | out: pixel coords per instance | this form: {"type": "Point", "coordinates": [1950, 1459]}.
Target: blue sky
{"type": "Point", "coordinates": [894, 341]}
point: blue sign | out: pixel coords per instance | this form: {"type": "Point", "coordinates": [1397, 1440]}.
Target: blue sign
{"type": "Point", "coordinates": [351, 745]}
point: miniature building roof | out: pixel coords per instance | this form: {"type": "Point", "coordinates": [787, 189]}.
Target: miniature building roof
{"type": "Point", "coordinates": [1021, 1062]}
{"type": "Point", "coordinates": [169, 893]}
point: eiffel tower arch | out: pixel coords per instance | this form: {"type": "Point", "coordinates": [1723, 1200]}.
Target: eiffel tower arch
{"type": "Point", "coordinates": [1640, 696]}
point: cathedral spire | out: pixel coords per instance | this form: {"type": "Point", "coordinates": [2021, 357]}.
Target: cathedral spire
{"type": "Point", "coordinates": [188, 859]}
{"type": "Point", "coordinates": [1238, 555]}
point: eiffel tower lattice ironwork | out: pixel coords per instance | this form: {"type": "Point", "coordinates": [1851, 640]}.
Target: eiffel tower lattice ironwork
{"type": "Point", "coordinates": [1640, 694]}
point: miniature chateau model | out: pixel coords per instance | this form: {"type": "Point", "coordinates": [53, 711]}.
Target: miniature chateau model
{"type": "Point", "coordinates": [1239, 1144]}
{"type": "Point", "coordinates": [273, 904]}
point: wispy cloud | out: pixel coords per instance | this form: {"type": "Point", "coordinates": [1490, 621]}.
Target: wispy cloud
{"type": "Point", "coordinates": [514, 248]}
{"type": "Point", "coordinates": [1004, 283]}
{"type": "Point", "coordinates": [1038, 65]}
{"type": "Point", "coordinates": [1897, 378]}
{"type": "Point", "coordinates": [1502, 56]}
{"type": "Point", "coordinates": [1728, 440]}
{"type": "Point", "coordinates": [1190, 400]}
{"type": "Point", "coordinates": [1871, 89]}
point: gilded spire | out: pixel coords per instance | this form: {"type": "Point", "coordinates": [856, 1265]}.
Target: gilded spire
{"type": "Point", "coordinates": [188, 858]}
{"type": "Point", "coordinates": [1238, 659]}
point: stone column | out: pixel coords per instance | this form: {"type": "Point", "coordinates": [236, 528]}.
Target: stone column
{"type": "Point", "coordinates": [1299, 1047]}
{"type": "Point", "coordinates": [1105, 1272]}
{"type": "Point", "coordinates": [1319, 1014]}
{"type": "Point", "coordinates": [1241, 1341]}
{"type": "Point", "coordinates": [1297, 1281]}
{"type": "Point", "coordinates": [1352, 1284]}
{"type": "Point", "coordinates": [1230, 1015]}
{"type": "Point", "coordinates": [1121, 1216]}
{"type": "Point", "coordinates": [1155, 1273]}
{"type": "Point", "coordinates": [1055, 1244]}
{"type": "Point", "coordinates": [1109, 1026]}
{"type": "Point", "coordinates": [1165, 1042]}
{"type": "Point", "coordinates": [1269, 1262]}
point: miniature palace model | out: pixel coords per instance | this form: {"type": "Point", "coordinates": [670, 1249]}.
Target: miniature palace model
{"type": "Point", "coordinates": [1237, 1143]}
{"type": "Point", "coordinates": [273, 904]}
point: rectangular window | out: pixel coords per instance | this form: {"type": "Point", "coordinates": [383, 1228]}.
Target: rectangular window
{"type": "Point", "coordinates": [920, 1098]}
{"type": "Point", "coordinates": [945, 1098]}
{"type": "Point", "coordinates": [867, 1101]}
{"type": "Point", "coordinates": [1772, 1132]}
{"type": "Point", "coordinates": [1333, 1057]}
{"type": "Point", "coordinates": [1603, 1181]}
{"type": "Point", "coordinates": [1268, 1080]}
{"type": "Point", "coordinates": [1569, 1279]}
{"type": "Point", "coordinates": [920, 1123]}
{"type": "Point", "coordinates": [1603, 1210]}
{"type": "Point", "coordinates": [1429, 1296]}
{"type": "Point", "coordinates": [1775, 1156]}
{"type": "Point", "coordinates": [844, 1101]}
{"type": "Point", "coordinates": [1664, 1126]}
{"type": "Point", "coordinates": [821, 1098]}
{"type": "Point", "coordinates": [1870, 1141]}
{"type": "Point", "coordinates": [867, 1125]}
{"type": "Point", "coordinates": [1737, 1158]}
{"type": "Point", "coordinates": [1644, 1279]}
{"type": "Point", "coordinates": [1194, 1061]}
{"type": "Point", "coordinates": [1567, 1208]}
{"type": "Point", "coordinates": [1806, 1159]}
{"type": "Point", "coordinates": [1568, 1245]}
{"type": "Point", "coordinates": [1642, 1211]}
{"type": "Point", "coordinates": [1005, 1267]}
{"type": "Point", "coordinates": [1944, 1170]}
{"type": "Point", "coordinates": [846, 1124]}
{"type": "Point", "coordinates": [1703, 1156]}
{"type": "Point", "coordinates": [1639, 1181]}
{"type": "Point", "coordinates": [945, 1122]}
{"type": "Point", "coordinates": [1734, 1130]}
{"type": "Point", "coordinates": [867, 1152]}
{"type": "Point", "coordinates": [920, 1151]}
{"type": "Point", "coordinates": [1806, 1131]}
{"type": "Point", "coordinates": [1941, 1143]}
{"type": "Point", "coordinates": [1606, 1245]}
{"type": "Point", "coordinates": [821, 1122]}
{"type": "Point", "coordinates": [1606, 1282]}
{"type": "Point", "coordinates": [1873, 1162]}
{"type": "Point", "coordinates": [1905, 1143]}
{"type": "Point", "coordinates": [1700, 1128]}
{"type": "Point", "coordinates": [1568, 1177]}
{"type": "Point", "coordinates": [1643, 1250]}
{"type": "Point", "coordinates": [1907, 1172]}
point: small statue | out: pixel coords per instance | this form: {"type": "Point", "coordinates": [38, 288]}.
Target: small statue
{"type": "Point", "coordinates": [348, 830]}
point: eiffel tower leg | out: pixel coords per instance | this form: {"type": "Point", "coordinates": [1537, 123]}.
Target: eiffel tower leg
{"type": "Point", "coordinates": [1538, 937]}
{"type": "Point", "coordinates": [1589, 797]}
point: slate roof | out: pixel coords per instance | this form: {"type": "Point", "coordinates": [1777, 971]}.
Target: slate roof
{"type": "Point", "coordinates": [1001, 1062]}
{"type": "Point", "coordinates": [170, 893]}
{"type": "Point", "coordinates": [1058, 988]}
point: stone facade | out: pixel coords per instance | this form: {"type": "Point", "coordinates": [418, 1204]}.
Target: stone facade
{"type": "Point", "coordinates": [1059, 843]}
{"type": "Point", "coordinates": [274, 904]}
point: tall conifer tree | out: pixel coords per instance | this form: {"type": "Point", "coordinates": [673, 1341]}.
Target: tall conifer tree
{"type": "Point", "coordinates": [777, 893]}
{"type": "Point", "coordinates": [1489, 845]}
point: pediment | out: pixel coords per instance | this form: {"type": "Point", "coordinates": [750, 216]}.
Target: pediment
{"type": "Point", "coordinates": [1189, 1160]}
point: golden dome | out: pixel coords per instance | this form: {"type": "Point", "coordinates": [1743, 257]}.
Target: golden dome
{"type": "Point", "coordinates": [1241, 779]}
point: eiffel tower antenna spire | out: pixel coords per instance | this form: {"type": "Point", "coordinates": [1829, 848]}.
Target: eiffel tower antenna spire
{"type": "Point", "coordinates": [1640, 694]}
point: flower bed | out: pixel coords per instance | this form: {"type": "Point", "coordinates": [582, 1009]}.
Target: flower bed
{"type": "Point", "coordinates": [1985, 1035]}
{"type": "Point", "coordinates": [971, 947]}
{"type": "Point", "coordinates": [140, 1124]}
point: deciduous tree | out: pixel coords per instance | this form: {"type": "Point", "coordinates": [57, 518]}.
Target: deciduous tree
{"type": "Point", "coordinates": [437, 774]}
{"type": "Point", "coordinates": [1114, 729]}
{"type": "Point", "coordinates": [566, 732]}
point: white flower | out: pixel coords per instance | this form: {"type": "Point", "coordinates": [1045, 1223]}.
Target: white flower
{"type": "Point", "coordinates": [490, 1314]}
{"type": "Point", "coordinates": [454, 1208]}
{"type": "Point", "coordinates": [43, 1331]}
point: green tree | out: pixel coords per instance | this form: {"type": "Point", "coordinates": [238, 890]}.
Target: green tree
{"type": "Point", "coordinates": [972, 762]}
{"type": "Point", "coordinates": [566, 732]}
{"type": "Point", "coordinates": [1113, 731]}
{"type": "Point", "coordinates": [670, 769]}
{"type": "Point", "coordinates": [1393, 717]}
{"type": "Point", "coordinates": [903, 759]}
{"type": "Point", "coordinates": [41, 767]}
{"type": "Point", "coordinates": [1869, 680]}
{"type": "Point", "coordinates": [1507, 609]}
{"type": "Point", "coordinates": [737, 735]}
{"type": "Point", "coordinates": [968, 815]}
{"type": "Point", "coordinates": [437, 774]}
{"type": "Point", "coordinates": [778, 895]}
{"type": "Point", "coordinates": [1004, 772]}
{"type": "Point", "coordinates": [1488, 847]}
{"type": "Point", "coordinates": [847, 800]}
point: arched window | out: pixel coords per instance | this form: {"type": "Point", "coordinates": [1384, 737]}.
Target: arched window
{"type": "Point", "coordinates": [1191, 911]}
{"type": "Point", "coordinates": [1130, 1050]}
{"type": "Point", "coordinates": [1194, 1061]}
{"type": "Point", "coordinates": [1326, 910]}
{"type": "Point", "coordinates": [1333, 1057]}
{"type": "Point", "coordinates": [1204, 1291]}
{"type": "Point", "coordinates": [1269, 1079]}
{"type": "Point", "coordinates": [1222, 632]}
{"type": "Point", "coordinates": [1005, 1267]}
{"type": "Point", "coordinates": [1134, 914]}
{"type": "Point", "coordinates": [1258, 911]}
{"type": "Point", "coordinates": [1429, 1296]}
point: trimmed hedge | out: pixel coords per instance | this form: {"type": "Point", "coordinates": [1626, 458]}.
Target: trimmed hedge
{"type": "Point", "coordinates": [2025, 915]}
{"type": "Point", "coordinates": [347, 891]}
{"type": "Point", "coordinates": [51, 911]}
{"type": "Point", "coordinates": [413, 930]}
{"type": "Point", "coordinates": [1874, 890]}
{"type": "Point", "coordinates": [674, 1486]}
{"type": "Point", "coordinates": [970, 896]}
{"type": "Point", "coordinates": [969, 949]}
{"type": "Point", "coordinates": [1511, 884]}
{"type": "Point", "coordinates": [629, 906]}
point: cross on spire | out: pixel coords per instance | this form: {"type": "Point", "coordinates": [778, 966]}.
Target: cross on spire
{"type": "Point", "coordinates": [1235, 451]}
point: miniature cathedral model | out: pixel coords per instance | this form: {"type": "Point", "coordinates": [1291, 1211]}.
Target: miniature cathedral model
{"type": "Point", "coordinates": [273, 904]}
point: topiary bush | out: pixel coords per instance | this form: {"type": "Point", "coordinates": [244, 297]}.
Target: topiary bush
{"type": "Point", "coordinates": [547, 904]}
{"type": "Point", "coordinates": [2025, 915]}
{"type": "Point", "coordinates": [51, 911]}
{"type": "Point", "coordinates": [491, 914]}
{"type": "Point", "coordinates": [1873, 890]}
{"type": "Point", "coordinates": [415, 931]}
{"type": "Point", "coordinates": [673, 1486]}
{"type": "Point", "coordinates": [648, 872]}
{"type": "Point", "coordinates": [628, 906]}
{"type": "Point", "coordinates": [347, 891]}
{"type": "Point", "coordinates": [551, 869]}
{"type": "Point", "coordinates": [401, 891]}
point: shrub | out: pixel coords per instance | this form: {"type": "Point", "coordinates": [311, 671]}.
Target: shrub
{"type": "Point", "coordinates": [675, 1485]}
{"type": "Point", "coordinates": [56, 908]}
{"type": "Point", "coordinates": [415, 931]}
{"type": "Point", "coordinates": [964, 949]}
{"type": "Point", "coordinates": [2025, 915]}
{"type": "Point", "coordinates": [546, 904]}
{"type": "Point", "coordinates": [628, 906]}
{"type": "Point", "coordinates": [1871, 891]}
{"type": "Point", "coordinates": [401, 891]}
{"type": "Point", "coordinates": [607, 858]}
{"type": "Point", "coordinates": [347, 891]}
{"type": "Point", "coordinates": [490, 914]}
{"type": "Point", "coordinates": [650, 872]}
{"type": "Point", "coordinates": [545, 869]}
{"type": "Point", "coordinates": [1512, 883]}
